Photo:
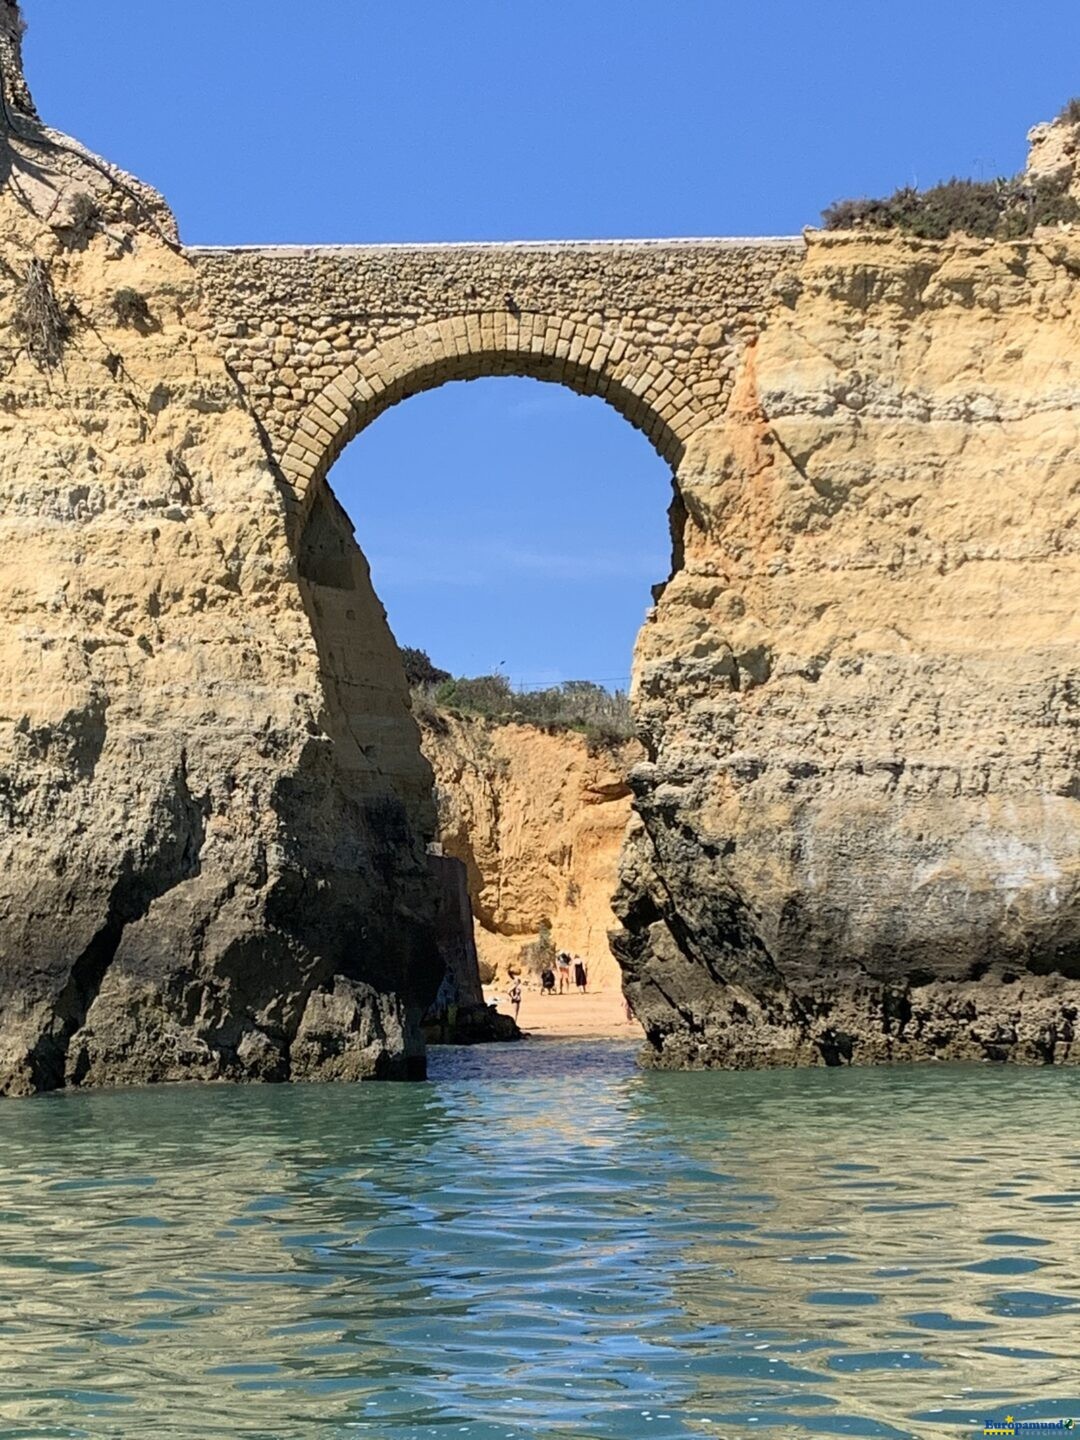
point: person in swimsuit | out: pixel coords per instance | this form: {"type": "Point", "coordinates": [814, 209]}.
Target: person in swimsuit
{"type": "Point", "coordinates": [515, 997]}
{"type": "Point", "coordinates": [563, 962]}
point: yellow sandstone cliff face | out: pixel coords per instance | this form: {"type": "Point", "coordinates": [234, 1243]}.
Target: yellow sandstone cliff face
{"type": "Point", "coordinates": [201, 875]}
{"type": "Point", "coordinates": [861, 695]}
{"type": "Point", "coordinates": [539, 819]}
{"type": "Point", "coordinates": [857, 820]}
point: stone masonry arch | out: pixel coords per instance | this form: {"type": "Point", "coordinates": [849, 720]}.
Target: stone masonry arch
{"type": "Point", "coordinates": [586, 358]}
{"type": "Point", "coordinates": [322, 339]}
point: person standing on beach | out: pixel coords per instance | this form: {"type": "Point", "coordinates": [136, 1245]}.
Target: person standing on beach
{"type": "Point", "coordinates": [515, 997]}
{"type": "Point", "coordinates": [581, 975]}
{"type": "Point", "coordinates": [563, 962]}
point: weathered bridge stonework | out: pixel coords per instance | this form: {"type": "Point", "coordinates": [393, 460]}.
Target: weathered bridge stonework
{"type": "Point", "coordinates": [324, 339]}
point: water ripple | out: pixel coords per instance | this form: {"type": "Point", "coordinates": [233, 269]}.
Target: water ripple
{"type": "Point", "coordinates": [544, 1242]}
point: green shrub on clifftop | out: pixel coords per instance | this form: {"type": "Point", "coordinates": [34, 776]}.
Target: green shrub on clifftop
{"type": "Point", "coordinates": [1003, 209]}
{"type": "Point", "coordinates": [602, 715]}
{"type": "Point", "coordinates": [987, 209]}
{"type": "Point", "coordinates": [420, 670]}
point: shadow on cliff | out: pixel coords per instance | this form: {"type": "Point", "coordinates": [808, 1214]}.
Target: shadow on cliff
{"type": "Point", "coordinates": [363, 791]}
{"type": "Point", "coordinates": [168, 855]}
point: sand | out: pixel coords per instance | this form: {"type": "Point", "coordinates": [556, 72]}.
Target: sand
{"type": "Point", "coordinates": [598, 1013]}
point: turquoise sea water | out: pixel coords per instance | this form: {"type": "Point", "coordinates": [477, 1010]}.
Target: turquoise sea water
{"type": "Point", "coordinates": [544, 1241]}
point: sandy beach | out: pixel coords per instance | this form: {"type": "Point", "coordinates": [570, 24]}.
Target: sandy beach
{"type": "Point", "coordinates": [601, 1014]}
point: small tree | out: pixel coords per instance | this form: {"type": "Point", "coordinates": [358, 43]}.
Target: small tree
{"type": "Point", "coordinates": [420, 671]}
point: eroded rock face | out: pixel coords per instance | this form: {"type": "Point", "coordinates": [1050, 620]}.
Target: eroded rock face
{"type": "Point", "coordinates": [538, 817]}
{"type": "Point", "coordinates": [1054, 148]}
{"type": "Point", "coordinates": [202, 873]}
{"type": "Point", "coordinates": [860, 814]}
{"type": "Point", "coordinates": [17, 96]}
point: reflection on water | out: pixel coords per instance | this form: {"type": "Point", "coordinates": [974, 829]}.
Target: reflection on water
{"type": "Point", "coordinates": [544, 1242]}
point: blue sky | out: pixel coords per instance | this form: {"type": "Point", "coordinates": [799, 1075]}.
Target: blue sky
{"type": "Point", "coordinates": [507, 521]}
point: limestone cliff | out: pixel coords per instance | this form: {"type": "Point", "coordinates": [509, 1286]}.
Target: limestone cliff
{"type": "Point", "coordinates": [538, 816]}
{"type": "Point", "coordinates": [202, 874]}
{"type": "Point", "coordinates": [857, 818]}
{"type": "Point", "coordinates": [860, 813]}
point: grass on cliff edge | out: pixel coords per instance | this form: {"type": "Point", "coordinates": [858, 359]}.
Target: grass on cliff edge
{"type": "Point", "coordinates": [602, 716]}
{"type": "Point", "coordinates": [1002, 209]}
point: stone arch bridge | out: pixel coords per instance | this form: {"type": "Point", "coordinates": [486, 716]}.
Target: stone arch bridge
{"type": "Point", "coordinates": [820, 824]}
{"type": "Point", "coordinates": [324, 339]}
{"type": "Point", "coordinates": [857, 825]}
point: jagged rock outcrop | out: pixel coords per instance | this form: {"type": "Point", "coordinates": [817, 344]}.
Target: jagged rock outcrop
{"type": "Point", "coordinates": [860, 815]}
{"type": "Point", "coordinates": [459, 1014]}
{"type": "Point", "coordinates": [1054, 149]}
{"type": "Point", "coordinates": [202, 873]}
{"type": "Point", "coordinates": [538, 816]}
{"type": "Point", "coordinates": [18, 102]}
